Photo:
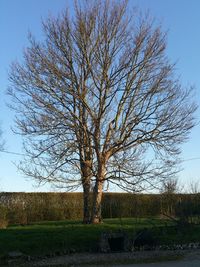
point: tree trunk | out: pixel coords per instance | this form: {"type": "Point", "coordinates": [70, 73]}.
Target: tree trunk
{"type": "Point", "coordinates": [97, 195]}
{"type": "Point", "coordinates": [97, 199]}
{"type": "Point", "coordinates": [86, 203]}
{"type": "Point", "coordinates": [86, 182]}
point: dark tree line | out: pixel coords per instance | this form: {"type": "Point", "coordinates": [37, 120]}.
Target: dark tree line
{"type": "Point", "coordinates": [26, 208]}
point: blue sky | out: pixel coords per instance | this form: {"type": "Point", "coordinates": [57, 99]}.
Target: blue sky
{"type": "Point", "coordinates": [179, 17]}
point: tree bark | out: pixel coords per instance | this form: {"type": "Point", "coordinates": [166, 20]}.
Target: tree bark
{"type": "Point", "coordinates": [97, 194]}
{"type": "Point", "coordinates": [97, 199]}
{"type": "Point", "coordinates": [86, 182]}
{"type": "Point", "coordinates": [86, 203]}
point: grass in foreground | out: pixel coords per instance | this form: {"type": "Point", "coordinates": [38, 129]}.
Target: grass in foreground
{"type": "Point", "coordinates": [45, 238]}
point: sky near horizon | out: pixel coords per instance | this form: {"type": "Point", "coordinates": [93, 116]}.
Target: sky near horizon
{"type": "Point", "coordinates": [180, 18]}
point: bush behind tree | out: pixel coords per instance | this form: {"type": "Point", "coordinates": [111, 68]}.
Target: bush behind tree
{"type": "Point", "coordinates": [3, 217]}
{"type": "Point", "coordinates": [25, 208]}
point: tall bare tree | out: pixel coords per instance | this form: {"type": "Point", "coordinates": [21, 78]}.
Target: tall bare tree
{"type": "Point", "coordinates": [1, 142]}
{"type": "Point", "coordinates": [98, 102]}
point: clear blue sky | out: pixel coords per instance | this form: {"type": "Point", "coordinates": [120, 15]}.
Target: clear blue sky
{"type": "Point", "coordinates": [181, 18]}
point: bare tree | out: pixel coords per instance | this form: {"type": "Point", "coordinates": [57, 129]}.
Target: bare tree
{"type": "Point", "coordinates": [98, 102]}
{"type": "Point", "coordinates": [170, 186]}
{"type": "Point", "coordinates": [168, 196]}
{"type": "Point", "coordinates": [1, 145]}
{"type": "Point", "coordinates": [194, 187]}
{"type": "Point", "coordinates": [2, 142]}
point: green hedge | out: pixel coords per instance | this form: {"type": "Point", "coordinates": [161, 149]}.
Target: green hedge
{"type": "Point", "coordinates": [24, 208]}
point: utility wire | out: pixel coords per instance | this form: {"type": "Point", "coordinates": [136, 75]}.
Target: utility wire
{"type": "Point", "coordinates": [12, 153]}
{"type": "Point", "coordinates": [21, 154]}
{"type": "Point", "coordinates": [190, 159]}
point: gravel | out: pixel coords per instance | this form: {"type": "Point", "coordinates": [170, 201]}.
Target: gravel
{"type": "Point", "coordinates": [182, 258]}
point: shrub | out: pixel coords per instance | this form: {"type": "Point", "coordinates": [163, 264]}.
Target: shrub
{"type": "Point", "coordinates": [23, 208]}
{"type": "Point", "coordinates": [3, 217]}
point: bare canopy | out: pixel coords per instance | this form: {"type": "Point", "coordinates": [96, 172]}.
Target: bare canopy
{"type": "Point", "coordinates": [98, 102]}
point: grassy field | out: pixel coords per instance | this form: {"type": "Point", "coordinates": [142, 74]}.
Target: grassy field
{"type": "Point", "coordinates": [45, 238]}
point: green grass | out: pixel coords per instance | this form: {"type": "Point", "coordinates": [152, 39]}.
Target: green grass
{"type": "Point", "coordinates": [44, 238]}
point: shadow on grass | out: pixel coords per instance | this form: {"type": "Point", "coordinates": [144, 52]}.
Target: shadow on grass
{"type": "Point", "coordinates": [42, 238]}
